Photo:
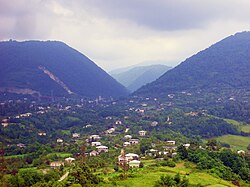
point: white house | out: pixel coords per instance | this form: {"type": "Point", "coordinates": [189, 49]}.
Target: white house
{"type": "Point", "coordinates": [94, 137]}
{"type": "Point", "coordinates": [118, 122]}
{"type": "Point", "coordinates": [110, 131]}
{"type": "Point", "coordinates": [56, 164]}
{"type": "Point", "coordinates": [102, 148]}
{"type": "Point", "coordinates": [134, 164]}
{"type": "Point", "coordinates": [241, 152]}
{"type": "Point", "coordinates": [69, 160]}
{"type": "Point", "coordinates": [59, 140]}
{"type": "Point", "coordinates": [131, 156]}
{"type": "Point", "coordinates": [187, 145]}
{"type": "Point", "coordinates": [133, 141]}
{"type": "Point", "coordinates": [125, 144]}
{"type": "Point", "coordinates": [41, 133]}
{"type": "Point", "coordinates": [154, 123]}
{"type": "Point", "coordinates": [96, 143]}
{"type": "Point", "coordinates": [128, 136]}
{"type": "Point", "coordinates": [93, 153]}
{"type": "Point", "coordinates": [171, 142]}
{"type": "Point", "coordinates": [75, 135]}
{"type": "Point", "coordinates": [142, 133]}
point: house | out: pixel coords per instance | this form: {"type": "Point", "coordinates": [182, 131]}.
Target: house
{"type": "Point", "coordinates": [170, 148]}
{"type": "Point", "coordinates": [241, 152]}
{"type": "Point", "coordinates": [152, 152]}
{"type": "Point", "coordinates": [171, 142]}
{"type": "Point", "coordinates": [21, 145]}
{"type": "Point", "coordinates": [110, 131]}
{"type": "Point", "coordinates": [134, 164]}
{"type": "Point", "coordinates": [187, 145]}
{"type": "Point", "coordinates": [69, 160]}
{"type": "Point", "coordinates": [59, 140]}
{"type": "Point", "coordinates": [93, 153]}
{"type": "Point", "coordinates": [41, 133]}
{"type": "Point", "coordinates": [131, 156]}
{"type": "Point", "coordinates": [118, 122]}
{"type": "Point", "coordinates": [128, 136]}
{"type": "Point", "coordinates": [26, 115]}
{"type": "Point", "coordinates": [102, 148]}
{"type": "Point", "coordinates": [94, 137]}
{"type": "Point", "coordinates": [154, 123]}
{"type": "Point", "coordinates": [75, 135]}
{"type": "Point", "coordinates": [142, 133]}
{"type": "Point", "coordinates": [5, 124]}
{"type": "Point", "coordinates": [125, 144]}
{"type": "Point", "coordinates": [56, 164]}
{"type": "Point", "coordinates": [133, 141]}
{"type": "Point", "coordinates": [96, 144]}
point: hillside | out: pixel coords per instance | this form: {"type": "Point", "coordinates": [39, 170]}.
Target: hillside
{"type": "Point", "coordinates": [135, 77]}
{"type": "Point", "coordinates": [42, 68]}
{"type": "Point", "coordinates": [224, 66]}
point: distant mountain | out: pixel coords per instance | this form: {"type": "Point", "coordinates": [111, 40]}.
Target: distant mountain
{"type": "Point", "coordinates": [42, 68]}
{"type": "Point", "coordinates": [135, 77]}
{"type": "Point", "coordinates": [223, 66]}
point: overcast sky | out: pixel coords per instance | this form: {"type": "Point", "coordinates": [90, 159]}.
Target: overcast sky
{"type": "Point", "coordinates": [120, 33]}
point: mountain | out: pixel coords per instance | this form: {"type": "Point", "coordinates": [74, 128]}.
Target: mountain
{"type": "Point", "coordinates": [46, 67]}
{"type": "Point", "coordinates": [135, 77]}
{"type": "Point", "coordinates": [225, 66]}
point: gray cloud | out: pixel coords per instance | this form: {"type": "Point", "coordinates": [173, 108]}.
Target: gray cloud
{"type": "Point", "coordinates": [116, 33]}
{"type": "Point", "coordinates": [170, 15]}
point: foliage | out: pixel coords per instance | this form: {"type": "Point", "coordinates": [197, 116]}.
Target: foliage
{"type": "Point", "coordinates": [175, 181]}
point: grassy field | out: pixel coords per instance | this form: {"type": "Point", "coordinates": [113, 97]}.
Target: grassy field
{"type": "Point", "coordinates": [16, 156]}
{"type": "Point", "coordinates": [236, 142]}
{"type": "Point", "coordinates": [151, 172]}
{"type": "Point", "coordinates": [245, 128]}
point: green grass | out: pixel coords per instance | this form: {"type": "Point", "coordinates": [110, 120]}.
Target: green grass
{"type": "Point", "coordinates": [233, 122]}
{"type": "Point", "coordinates": [245, 128]}
{"type": "Point", "coordinates": [60, 155]}
{"type": "Point", "coordinates": [148, 175]}
{"type": "Point", "coordinates": [236, 142]}
{"type": "Point", "coordinates": [16, 156]}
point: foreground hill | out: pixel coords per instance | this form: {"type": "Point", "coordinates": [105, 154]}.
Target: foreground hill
{"type": "Point", "coordinates": [134, 78]}
{"type": "Point", "coordinates": [225, 66]}
{"type": "Point", "coordinates": [42, 68]}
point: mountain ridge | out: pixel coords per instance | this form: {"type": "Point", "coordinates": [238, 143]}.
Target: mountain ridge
{"type": "Point", "coordinates": [225, 64]}
{"type": "Point", "coordinates": [20, 62]}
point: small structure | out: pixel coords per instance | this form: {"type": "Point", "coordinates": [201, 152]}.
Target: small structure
{"type": "Point", "coordinates": [154, 123]}
{"type": "Point", "coordinates": [5, 124]}
{"type": "Point", "coordinates": [59, 140]}
{"type": "Point", "coordinates": [142, 133]}
{"type": "Point", "coordinates": [102, 148]}
{"type": "Point", "coordinates": [131, 156]}
{"type": "Point", "coordinates": [128, 136]}
{"type": "Point", "coordinates": [110, 131]}
{"type": "Point", "coordinates": [133, 141]}
{"type": "Point", "coordinates": [241, 152]}
{"type": "Point", "coordinates": [94, 137]}
{"type": "Point", "coordinates": [125, 144]}
{"type": "Point", "coordinates": [187, 145]}
{"type": "Point", "coordinates": [171, 142]}
{"type": "Point", "coordinates": [69, 160]}
{"type": "Point", "coordinates": [118, 122]}
{"type": "Point", "coordinates": [75, 135]}
{"type": "Point", "coordinates": [134, 164]}
{"type": "Point", "coordinates": [21, 145]}
{"type": "Point", "coordinates": [41, 133]}
{"type": "Point", "coordinates": [93, 153]}
{"type": "Point", "coordinates": [96, 144]}
{"type": "Point", "coordinates": [56, 164]}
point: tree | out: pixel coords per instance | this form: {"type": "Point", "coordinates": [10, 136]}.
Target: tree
{"type": "Point", "coordinates": [182, 152]}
